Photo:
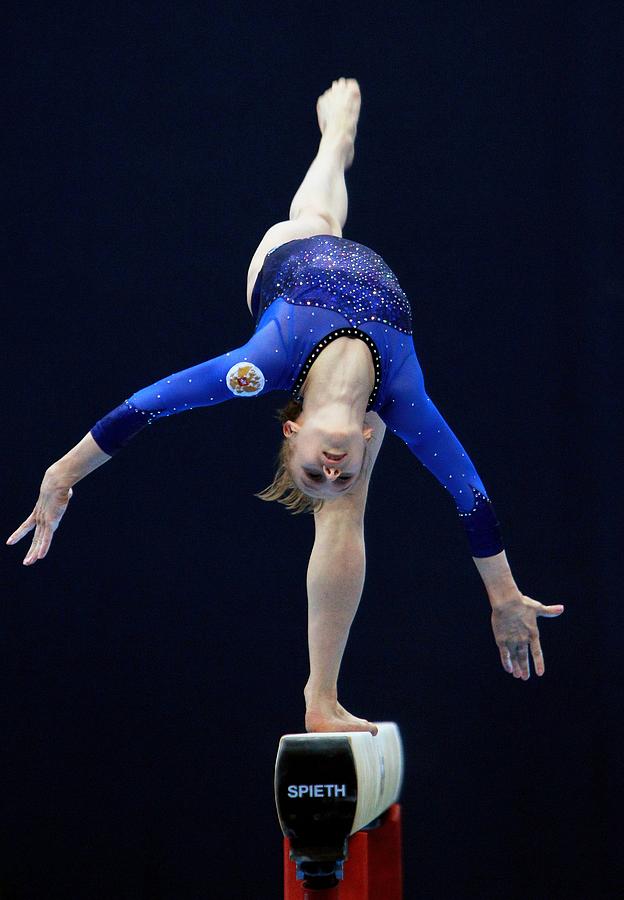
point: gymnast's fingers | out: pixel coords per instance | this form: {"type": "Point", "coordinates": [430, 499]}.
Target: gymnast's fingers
{"type": "Point", "coordinates": [41, 539]}
{"type": "Point", "coordinates": [24, 528]}
{"type": "Point", "coordinates": [31, 555]}
{"type": "Point", "coordinates": [538, 656]}
{"type": "Point", "coordinates": [46, 540]}
{"type": "Point", "coordinates": [517, 671]}
{"type": "Point", "coordinates": [505, 658]}
{"type": "Point", "coordinates": [523, 658]}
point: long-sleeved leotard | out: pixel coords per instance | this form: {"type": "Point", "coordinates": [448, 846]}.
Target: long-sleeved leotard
{"type": "Point", "coordinates": [308, 293]}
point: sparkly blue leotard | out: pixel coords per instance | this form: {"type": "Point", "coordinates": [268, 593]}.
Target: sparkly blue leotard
{"type": "Point", "coordinates": [308, 293]}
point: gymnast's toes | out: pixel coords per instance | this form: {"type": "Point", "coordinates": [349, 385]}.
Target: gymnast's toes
{"type": "Point", "coordinates": [339, 107]}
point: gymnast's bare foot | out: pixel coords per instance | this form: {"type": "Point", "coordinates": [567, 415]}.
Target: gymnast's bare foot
{"type": "Point", "coordinates": [338, 111]}
{"type": "Point", "coordinates": [331, 716]}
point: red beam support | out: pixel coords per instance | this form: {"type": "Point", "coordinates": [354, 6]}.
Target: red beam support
{"type": "Point", "coordinates": [372, 871]}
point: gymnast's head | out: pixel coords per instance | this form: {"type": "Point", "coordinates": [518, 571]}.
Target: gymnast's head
{"type": "Point", "coordinates": [321, 458]}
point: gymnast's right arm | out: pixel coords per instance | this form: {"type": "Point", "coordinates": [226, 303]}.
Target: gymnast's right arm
{"type": "Point", "coordinates": [259, 366]}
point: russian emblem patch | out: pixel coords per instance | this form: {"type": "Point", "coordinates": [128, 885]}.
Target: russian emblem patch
{"type": "Point", "coordinates": [244, 379]}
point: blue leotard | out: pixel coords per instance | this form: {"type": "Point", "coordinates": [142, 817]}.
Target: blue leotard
{"type": "Point", "coordinates": [308, 293]}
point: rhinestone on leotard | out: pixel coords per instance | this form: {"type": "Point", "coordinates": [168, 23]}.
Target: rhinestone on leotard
{"type": "Point", "coordinates": [334, 273]}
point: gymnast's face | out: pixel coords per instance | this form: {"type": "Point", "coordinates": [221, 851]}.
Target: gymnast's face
{"type": "Point", "coordinates": [325, 462]}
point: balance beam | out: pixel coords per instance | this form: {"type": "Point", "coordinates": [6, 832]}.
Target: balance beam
{"type": "Point", "coordinates": [329, 787]}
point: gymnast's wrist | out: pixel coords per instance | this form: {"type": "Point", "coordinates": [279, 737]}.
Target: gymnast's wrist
{"type": "Point", "coordinates": [503, 594]}
{"type": "Point", "coordinates": [82, 459]}
{"type": "Point", "coordinates": [59, 475]}
{"type": "Point", "coordinates": [497, 578]}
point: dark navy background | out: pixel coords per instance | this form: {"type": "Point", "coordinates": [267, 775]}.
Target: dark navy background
{"type": "Point", "coordinates": [151, 662]}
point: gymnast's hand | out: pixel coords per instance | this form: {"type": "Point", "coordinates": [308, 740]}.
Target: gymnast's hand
{"type": "Point", "coordinates": [514, 622]}
{"type": "Point", "coordinates": [55, 494]}
{"type": "Point", "coordinates": [54, 497]}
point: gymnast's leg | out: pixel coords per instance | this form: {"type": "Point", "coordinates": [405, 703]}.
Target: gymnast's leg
{"type": "Point", "coordinates": [337, 564]}
{"type": "Point", "coordinates": [319, 205]}
{"type": "Point", "coordinates": [335, 580]}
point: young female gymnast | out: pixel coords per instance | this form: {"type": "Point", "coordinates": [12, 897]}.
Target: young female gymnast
{"type": "Point", "coordinates": [333, 327]}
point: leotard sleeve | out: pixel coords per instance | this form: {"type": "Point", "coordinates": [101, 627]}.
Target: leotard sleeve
{"type": "Point", "coordinates": [411, 414]}
{"type": "Point", "coordinates": [255, 368]}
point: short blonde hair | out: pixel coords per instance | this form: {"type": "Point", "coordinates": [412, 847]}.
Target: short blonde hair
{"type": "Point", "coordinates": [283, 488]}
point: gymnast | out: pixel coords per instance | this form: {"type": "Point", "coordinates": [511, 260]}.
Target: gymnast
{"type": "Point", "coordinates": [333, 328]}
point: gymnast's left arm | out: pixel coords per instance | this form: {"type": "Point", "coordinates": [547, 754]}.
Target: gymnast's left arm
{"type": "Point", "coordinates": [411, 414]}
{"type": "Point", "coordinates": [256, 367]}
